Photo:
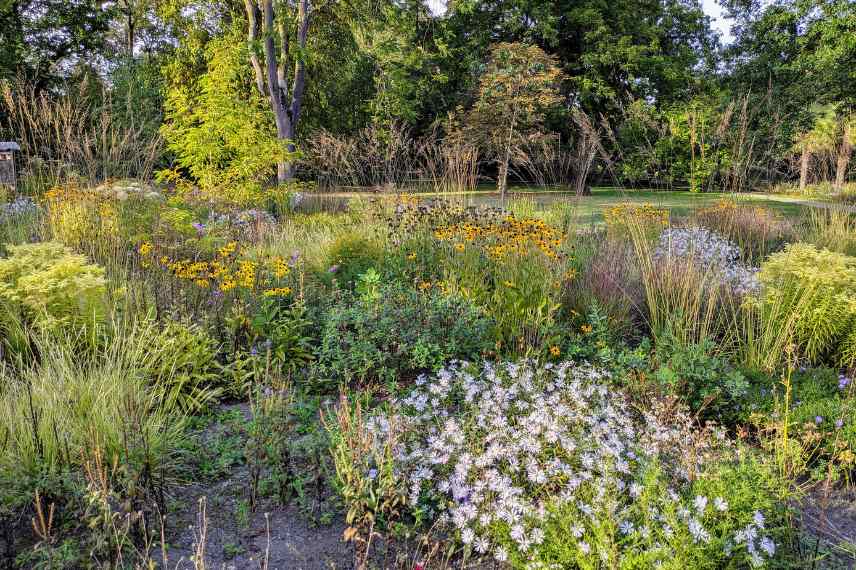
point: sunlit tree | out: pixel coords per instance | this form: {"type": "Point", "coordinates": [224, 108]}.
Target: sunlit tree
{"type": "Point", "coordinates": [520, 83]}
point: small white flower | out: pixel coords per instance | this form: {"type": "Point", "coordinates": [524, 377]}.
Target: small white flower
{"type": "Point", "coordinates": [700, 503]}
{"type": "Point", "coordinates": [720, 504]}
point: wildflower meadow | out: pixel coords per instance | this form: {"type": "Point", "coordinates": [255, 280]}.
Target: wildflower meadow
{"type": "Point", "coordinates": [427, 285]}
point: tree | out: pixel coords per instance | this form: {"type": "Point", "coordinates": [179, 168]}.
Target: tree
{"type": "Point", "coordinates": [43, 39]}
{"type": "Point", "coordinates": [845, 148]}
{"type": "Point", "coordinates": [269, 25]}
{"type": "Point", "coordinates": [518, 86]}
{"type": "Point", "coordinates": [611, 52]}
{"type": "Point", "coordinates": [821, 138]}
{"type": "Point", "coordinates": [217, 125]}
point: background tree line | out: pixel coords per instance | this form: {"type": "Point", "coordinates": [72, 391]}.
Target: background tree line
{"type": "Point", "coordinates": [236, 92]}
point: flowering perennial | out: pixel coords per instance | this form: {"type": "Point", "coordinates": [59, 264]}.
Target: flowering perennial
{"type": "Point", "coordinates": [514, 460]}
{"type": "Point", "coordinates": [509, 235]}
{"type": "Point", "coordinates": [711, 252]}
{"type": "Point", "coordinates": [19, 207]}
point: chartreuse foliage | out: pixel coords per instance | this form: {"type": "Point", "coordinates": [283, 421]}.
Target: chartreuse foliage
{"type": "Point", "coordinates": [218, 126]}
{"type": "Point", "coordinates": [817, 288]}
{"type": "Point", "coordinates": [50, 287]}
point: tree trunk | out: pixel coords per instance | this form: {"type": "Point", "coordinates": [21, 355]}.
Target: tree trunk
{"type": "Point", "coordinates": [804, 160]}
{"type": "Point", "coordinates": [502, 178]}
{"type": "Point", "coordinates": [271, 79]}
{"type": "Point", "coordinates": [131, 35]}
{"type": "Point", "coordinates": [844, 153]}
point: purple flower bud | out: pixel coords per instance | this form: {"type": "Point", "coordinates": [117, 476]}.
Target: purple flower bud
{"type": "Point", "coordinates": [818, 420]}
{"type": "Point", "coordinates": [333, 269]}
{"type": "Point", "coordinates": [839, 423]}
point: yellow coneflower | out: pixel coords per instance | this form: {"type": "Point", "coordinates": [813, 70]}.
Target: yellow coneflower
{"type": "Point", "coordinates": [277, 292]}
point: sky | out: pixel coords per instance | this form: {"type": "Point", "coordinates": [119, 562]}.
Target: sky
{"type": "Point", "coordinates": [710, 7]}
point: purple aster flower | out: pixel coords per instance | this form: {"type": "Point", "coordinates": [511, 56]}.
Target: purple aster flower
{"type": "Point", "coordinates": [818, 420]}
{"type": "Point", "coordinates": [839, 423]}
{"type": "Point", "coordinates": [333, 269]}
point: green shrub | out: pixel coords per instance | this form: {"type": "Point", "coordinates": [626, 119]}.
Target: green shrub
{"type": "Point", "coordinates": [50, 287]}
{"type": "Point", "coordinates": [817, 289]}
{"type": "Point", "coordinates": [399, 333]}
{"type": "Point", "coordinates": [351, 255]}
{"type": "Point", "coordinates": [700, 377]}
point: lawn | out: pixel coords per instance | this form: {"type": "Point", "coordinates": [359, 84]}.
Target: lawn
{"type": "Point", "coordinates": [589, 209]}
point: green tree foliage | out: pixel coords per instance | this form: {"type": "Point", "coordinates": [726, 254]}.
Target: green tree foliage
{"type": "Point", "coordinates": [612, 51]}
{"type": "Point", "coordinates": [795, 51]}
{"type": "Point", "coordinates": [41, 39]}
{"type": "Point", "coordinates": [218, 126]}
{"type": "Point", "coordinates": [676, 146]}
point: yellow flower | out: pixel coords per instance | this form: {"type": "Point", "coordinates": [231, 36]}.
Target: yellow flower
{"type": "Point", "coordinates": [201, 282]}
{"type": "Point", "coordinates": [555, 351]}
{"type": "Point", "coordinates": [277, 292]}
{"type": "Point", "coordinates": [459, 246]}
{"type": "Point", "coordinates": [280, 268]}
{"type": "Point", "coordinates": [586, 329]}
{"type": "Point", "coordinates": [228, 249]}
{"type": "Point", "coordinates": [570, 274]}
{"type": "Point", "coordinates": [145, 248]}
{"type": "Point", "coordinates": [425, 285]}
{"type": "Point", "coordinates": [508, 284]}
{"type": "Point", "coordinates": [227, 285]}
{"type": "Point", "coordinates": [411, 256]}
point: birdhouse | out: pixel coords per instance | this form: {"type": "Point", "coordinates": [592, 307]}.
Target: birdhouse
{"type": "Point", "coordinates": [7, 164]}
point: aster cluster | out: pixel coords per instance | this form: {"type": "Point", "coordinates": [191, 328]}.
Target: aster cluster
{"type": "Point", "coordinates": [19, 207]}
{"type": "Point", "coordinates": [496, 453]}
{"type": "Point", "coordinates": [244, 222]}
{"type": "Point", "coordinates": [711, 252]}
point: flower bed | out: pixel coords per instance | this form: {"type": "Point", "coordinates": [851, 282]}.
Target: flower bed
{"type": "Point", "coordinates": [545, 467]}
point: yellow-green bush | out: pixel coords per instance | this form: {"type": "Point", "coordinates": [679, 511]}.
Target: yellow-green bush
{"type": "Point", "coordinates": [816, 291]}
{"type": "Point", "coordinates": [50, 287]}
